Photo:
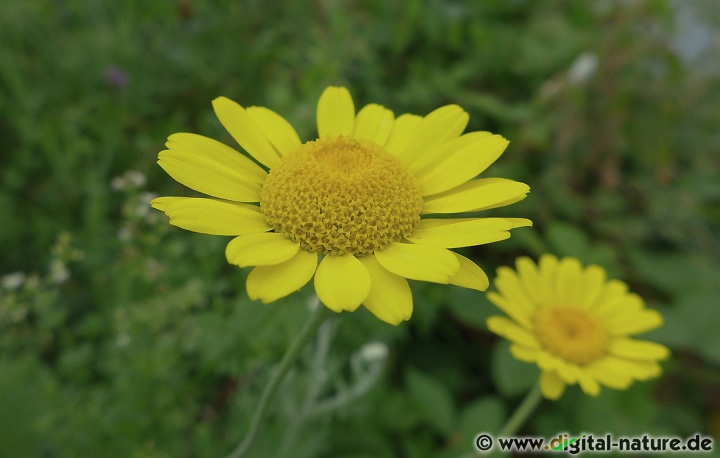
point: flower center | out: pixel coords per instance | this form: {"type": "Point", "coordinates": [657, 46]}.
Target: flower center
{"type": "Point", "coordinates": [570, 333]}
{"type": "Point", "coordinates": [339, 195]}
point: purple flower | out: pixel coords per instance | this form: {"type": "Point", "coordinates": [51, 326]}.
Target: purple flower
{"type": "Point", "coordinates": [115, 77]}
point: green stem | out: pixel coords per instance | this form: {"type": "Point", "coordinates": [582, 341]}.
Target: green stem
{"type": "Point", "coordinates": [318, 317]}
{"type": "Point", "coordinates": [523, 412]}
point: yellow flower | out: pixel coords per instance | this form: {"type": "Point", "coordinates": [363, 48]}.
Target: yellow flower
{"type": "Point", "coordinates": [575, 325]}
{"type": "Point", "coordinates": [352, 198]}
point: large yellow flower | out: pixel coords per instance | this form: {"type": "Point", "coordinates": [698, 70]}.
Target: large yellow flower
{"type": "Point", "coordinates": [353, 197]}
{"type": "Point", "coordinates": [575, 325]}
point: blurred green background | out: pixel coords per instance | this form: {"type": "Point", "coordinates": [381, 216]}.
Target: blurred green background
{"type": "Point", "coordinates": [122, 336]}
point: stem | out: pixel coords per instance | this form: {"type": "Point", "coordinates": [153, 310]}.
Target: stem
{"type": "Point", "coordinates": [322, 348]}
{"type": "Point", "coordinates": [318, 317]}
{"type": "Point", "coordinates": [521, 414]}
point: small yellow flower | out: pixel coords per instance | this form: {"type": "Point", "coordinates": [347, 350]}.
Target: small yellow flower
{"type": "Point", "coordinates": [575, 325]}
{"type": "Point", "coordinates": [355, 198]}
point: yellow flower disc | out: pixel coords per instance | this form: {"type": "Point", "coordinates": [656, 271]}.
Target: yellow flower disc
{"type": "Point", "coordinates": [570, 333]}
{"type": "Point", "coordinates": [340, 195]}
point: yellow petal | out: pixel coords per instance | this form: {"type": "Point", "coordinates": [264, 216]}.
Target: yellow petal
{"type": "Point", "coordinates": [613, 290]}
{"type": "Point", "coordinates": [522, 353]}
{"type": "Point", "coordinates": [547, 268]}
{"type": "Point", "coordinates": [624, 304]}
{"type": "Point", "coordinates": [639, 370]}
{"type": "Point", "coordinates": [335, 112]}
{"type": "Point", "coordinates": [638, 349]}
{"type": "Point", "coordinates": [470, 275]}
{"type": "Point", "coordinates": [449, 233]}
{"type": "Point", "coordinates": [567, 371]}
{"type": "Point", "coordinates": [401, 133]}
{"type": "Point", "coordinates": [390, 298]}
{"type": "Point", "coordinates": [213, 179]}
{"type": "Point", "coordinates": [462, 165]}
{"type": "Point", "coordinates": [607, 374]}
{"type": "Point", "coordinates": [270, 283]}
{"type": "Point", "coordinates": [435, 157]}
{"type": "Point", "coordinates": [419, 262]}
{"type": "Point", "coordinates": [508, 284]}
{"type": "Point", "coordinates": [342, 282]}
{"type": "Point", "coordinates": [162, 203]}
{"type": "Point", "coordinates": [515, 311]}
{"type": "Point", "coordinates": [503, 327]}
{"type": "Point", "coordinates": [374, 122]}
{"type": "Point", "coordinates": [531, 281]}
{"type": "Point", "coordinates": [650, 370]}
{"type": "Point", "coordinates": [243, 128]}
{"type": "Point", "coordinates": [276, 129]}
{"type": "Point", "coordinates": [435, 129]}
{"type": "Point", "coordinates": [547, 361]}
{"type": "Point", "coordinates": [633, 323]}
{"type": "Point", "coordinates": [589, 385]}
{"type": "Point", "coordinates": [209, 216]}
{"type": "Point", "coordinates": [219, 153]}
{"type": "Point", "coordinates": [592, 281]}
{"type": "Point", "coordinates": [503, 203]}
{"type": "Point", "coordinates": [568, 282]}
{"type": "Point", "coordinates": [551, 385]}
{"type": "Point", "coordinates": [260, 249]}
{"type": "Point", "coordinates": [475, 195]}
{"type": "Point", "coordinates": [519, 222]}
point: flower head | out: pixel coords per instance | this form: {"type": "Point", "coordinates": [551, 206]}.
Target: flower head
{"type": "Point", "coordinates": [575, 325]}
{"type": "Point", "coordinates": [356, 199]}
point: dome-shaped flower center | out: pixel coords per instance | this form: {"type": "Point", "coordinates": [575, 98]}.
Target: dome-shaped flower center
{"type": "Point", "coordinates": [570, 333]}
{"type": "Point", "coordinates": [340, 195]}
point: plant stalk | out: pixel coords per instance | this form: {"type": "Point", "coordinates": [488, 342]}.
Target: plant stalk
{"type": "Point", "coordinates": [317, 318]}
{"type": "Point", "coordinates": [523, 412]}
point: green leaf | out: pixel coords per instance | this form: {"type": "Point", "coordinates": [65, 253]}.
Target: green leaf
{"type": "Point", "coordinates": [568, 240]}
{"type": "Point", "coordinates": [433, 399]}
{"type": "Point", "coordinates": [398, 413]}
{"type": "Point", "coordinates": [628, 412]}
{"type": "Point", "coordinates": [486, 415]}
{"type": "Point", "coordinates": [675, 272]}
{"type": "Point", "coordinates": [689, 324]}
{"type": "Point", "coordinates": [512, 377]}
{"type": "Point", "coordinates": [469, 306]}
{"type": "Point", "coordinates": [27, 408]}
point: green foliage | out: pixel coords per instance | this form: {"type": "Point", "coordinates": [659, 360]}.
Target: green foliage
{"type": "Point", "coordinates": [433, 400]}
{"type": "Point", "coordinates": [123, 336]}
{"type": "Point", "coordinates": [512, 377]}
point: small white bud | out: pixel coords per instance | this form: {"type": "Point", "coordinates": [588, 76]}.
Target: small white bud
{"type": "Point", "coordinates": [583, 67]}
{"type": "Point", "coordinates": [374, 351]}
{"type": "Point", "coordinates": [137, 179]}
